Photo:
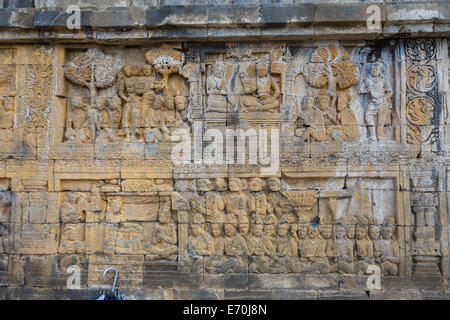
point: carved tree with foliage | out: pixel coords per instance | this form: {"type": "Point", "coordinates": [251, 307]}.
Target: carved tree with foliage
{"type": "Point", "coordinates": [92, 69]}
{"type": "Point", "coordinates": [331, 69]}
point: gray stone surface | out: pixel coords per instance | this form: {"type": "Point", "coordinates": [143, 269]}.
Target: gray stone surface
{"type": "Point", "coordinates": [262, 19]}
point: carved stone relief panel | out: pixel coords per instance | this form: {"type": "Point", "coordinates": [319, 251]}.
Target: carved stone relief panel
{"type": "Point", "coordinates": [7, 91]}
{"type": "Point", "coordinates": [309, 225]}
{"type": "Point", "coordinates": [118, 110]}
{"type": "Point", "coordinates": [349, 190]}
{"type": "Point", "coordinates": [341, 99]}
{"type": "Point", "coordinates": [245, 83]}
{"type": "Point", "coordinates": [8, 103]}
{"type": "Point", "coordinates": [422, 105]}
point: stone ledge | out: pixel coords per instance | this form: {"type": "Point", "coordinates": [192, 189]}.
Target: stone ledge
{"type": "Point", "coordinates": [263, 15]}
{"type": "Point", "coordinates": [29, 293]}
{"type": "Point", "coordinates": [228, 23]}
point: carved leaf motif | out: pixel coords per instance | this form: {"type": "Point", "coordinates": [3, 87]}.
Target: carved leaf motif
{"type": "Point", "coordinates": [38, 81]}
{"type": "Point", "coordinates": [346, 74]}
{"type": "Point", "coordinates": [420, 111]}
{"type": "Point", "coordinates": [422, 78]}
{"type": "Point", "coordinates": [316, 75]}
{"type": "Point", "coordinates": [164, 56]}
{"type": "Point", "coordinates": [413, 135]}
{"type": "Point", "coordinates": [103, 67]}
{"type": "Point", "coordinates": [420, 49]}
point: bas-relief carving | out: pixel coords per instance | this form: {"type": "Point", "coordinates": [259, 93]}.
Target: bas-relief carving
{"type": "Point", "coordinates": [343, 97]}
{"type": "Point", "coordinates": [426, 248]}
{"type": "Point", "coordinates": [378, 111]}
{"type": "Point", "coordinates": [422, 90]}
{"type": "Point", "coordinates": [325, 113]}
{"type": "Point", "coordinates": [149, 103]}
{"type": "Point", "coordinates": [255, 228]}
{"type": "Point", "coordinates": [236, 225]}
{"type": "Point", "coordinates": [108, 222]}
{"type": "Point", "coordinates": [37, 97]}
{"type": "Point", "coordinates": [248, 83]}
{"type": "Point", "coordinates": [5, 219]}
{"type": "Point", "coordinates": [7, 93]}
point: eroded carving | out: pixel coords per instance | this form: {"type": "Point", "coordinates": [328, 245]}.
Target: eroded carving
{"type": "Point", "coordinates": [378, 111]}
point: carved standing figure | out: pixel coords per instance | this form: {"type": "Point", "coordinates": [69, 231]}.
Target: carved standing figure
{"type": "Point", "coordinates": [379, 107]}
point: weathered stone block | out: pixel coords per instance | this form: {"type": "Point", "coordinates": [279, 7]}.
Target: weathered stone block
{"type": "Point", "coordinates": [130, 268]}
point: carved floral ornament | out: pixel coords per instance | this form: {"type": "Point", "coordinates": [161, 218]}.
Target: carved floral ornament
{"type": "Point", "coordinates": [331, 64]}
{"type": "Point", "coordinates": [39, 71]}
{"type": "Point", "coordinates": [420, 50]}
{"type": "Point", "coordinates": [421, 78]}
{"type": "Point", "coordinates": [420, 111]}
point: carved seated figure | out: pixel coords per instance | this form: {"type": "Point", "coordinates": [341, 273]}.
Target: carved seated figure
{"type": "Point", "coordinates": [217, 241]}
{"type": "Point", "coordinates": [261, 206]}
{"type": "Point", "coordinates": [199, 240]}
{"type": "Point", "coordinates": [326, 104]}
{"type": "Point", "coordinates": [215, 88]}
{"type": "Point", "coordinates": [238, 202]}
{"type": "Point", "coordinates": [215, 208]}
{"type": "Point", "coordinates": [325, 247]}
{"type": "Point", "coordinates": [261, 250]}
{"type": "Point", "coordinates": [312, 250]}
{"type": "Point", "coordinates": [347, 128]}
{"type": "Point", "coordinates": [163, 243]}
{"type": "Point", "coordinates": [77, 129]}
{"type": "Point", "coordinates": [156, 130]}
{"type": "Point", "coordinates": [236, 251]}
{"type": "Point", "coordinates": [181, 111]}
{"type": "Point", "coordinates": [286, 257]}
{"type": "Point", "coordinates": [199, 243]}
{"type": "Point", "coordinates": [111, 119]}
{"type": "Point", "coordinates": [71, 209]}
{"type": "Point", "coordinates": [217, 248]}
{"type": "Point", "coordinates": [364, 246]}
{"type": "Point", "coordinates": [345, 251]}
{"type": "Point", "coordinates": [389, 248]}
{"type": "Point", "coordinates": [313, 120]}
{"type": "Point", "coordinates": [264, 90]}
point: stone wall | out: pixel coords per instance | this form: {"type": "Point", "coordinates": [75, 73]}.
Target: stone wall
{"type": "Point", "coordinates": [316, 149]}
